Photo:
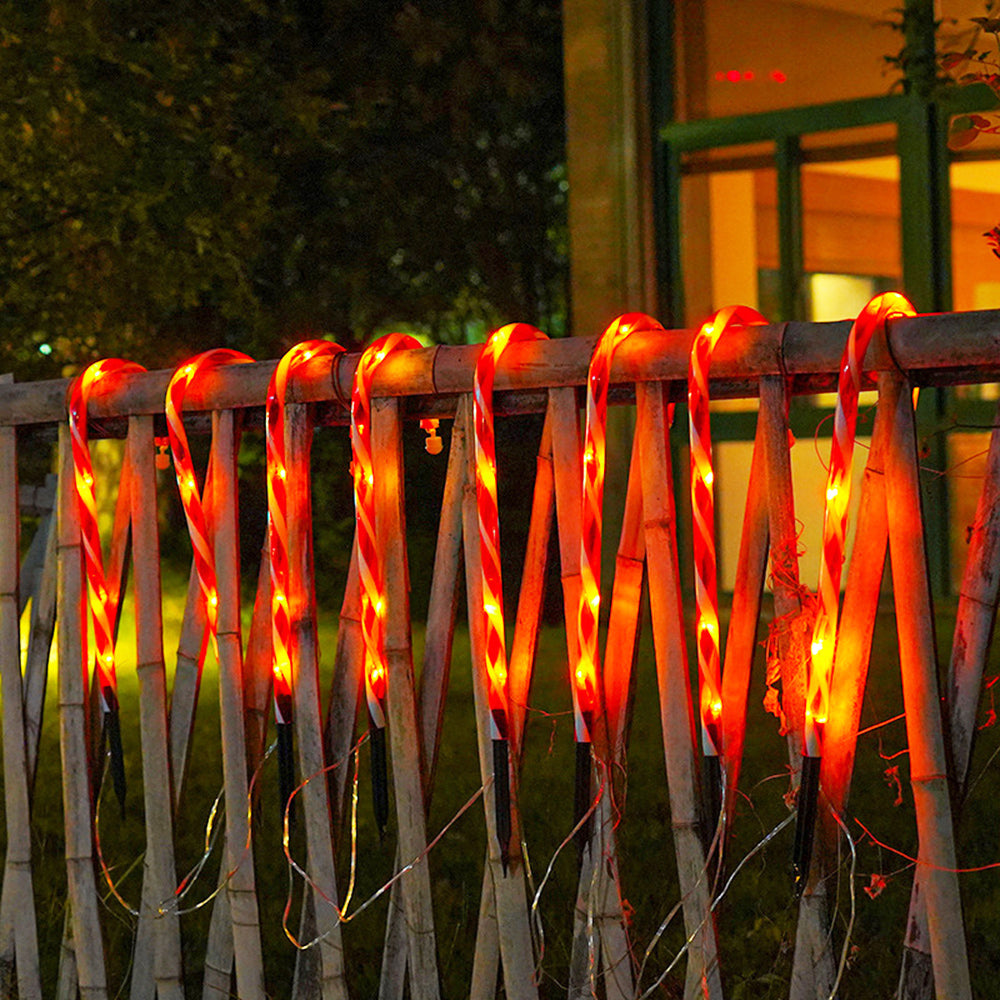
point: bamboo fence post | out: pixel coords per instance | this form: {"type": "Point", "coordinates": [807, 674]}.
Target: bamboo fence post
{"type": "Point", "coordinates": [442, 610]}
{"type": "Point", "coordinates": [36, 661]}
{"type": "Point", "coordinates": [187, 677]}
{"type": "Point", "coordinates": [522, 657]}
{"type": "Point", "coordinates": [159, 874]}
{"type": "Point", "coordinates": [404, 736]}
{"type": "Point", "coordinates": [917, 655]}
{"type": "Point", "coordinates": [975, 615]}
{"type": "Point", "coordinates": [308, 725]}
{"type": "Point", "coordinates": [676, 710]}
{"type": "Point", "coordinates": [345, 691]}
{"type": "Point", "coordinates": [20, 939]}
{"type": "Point", "coordinates": [741, 637]}
{"type": "Point", "coordinates": [73, 741]}
{"type": "Point", "coordinates": [509, 911]}
{"type": "Point", "coordinates": [257, 675]}
{"type": "Point", "coordinates": [977, 607]}
{"type": "Point", "coordinates": [240, 888]}
{"type": "Point", "coordinates": [598, 904]}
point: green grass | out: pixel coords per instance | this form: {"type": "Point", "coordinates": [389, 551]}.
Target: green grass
{"type": "Point", "coordinates": [756, 921]}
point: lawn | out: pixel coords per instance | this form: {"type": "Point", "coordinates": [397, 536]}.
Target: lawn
{"type": "Point", "coordinates": [756, 919]}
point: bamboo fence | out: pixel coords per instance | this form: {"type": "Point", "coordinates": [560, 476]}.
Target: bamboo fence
{"type": "Point", "coordinates": [601, 958]}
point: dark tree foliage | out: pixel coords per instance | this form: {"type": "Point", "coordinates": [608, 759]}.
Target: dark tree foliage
{"type": "Point", "coordinates": [178, 175]}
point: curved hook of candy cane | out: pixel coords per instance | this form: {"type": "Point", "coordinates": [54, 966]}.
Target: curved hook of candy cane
{"type": "Point", "coordinates": [102, 605]}
{"type": "Point", "coordinates": [874, 317]}
{"type": "Point", "coordinates": [725, 320]}
{"type": "Point", "coordinates": [370, 575]}
{"type": "Point", "coordinates": [306, 353]}
{"type": "Point", "coordinates": [187, 483]}
{"type": "Point", "coordinates": [494, 640]}
{"type": "Point", "coordinates": [585, 684]}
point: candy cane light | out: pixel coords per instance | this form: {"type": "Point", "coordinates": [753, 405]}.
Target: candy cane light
{"type": "Point", "coordinates": [584, 680]}
{"type": "Point", "coordinates": [102, 600]}
{"type": "Point", "coordinates": [187, 482]}
{"type": "Point", "coordinates": [732, 318]}
{"type": "Point", "coordinates": [873, 318]}
{"type": "Point", "coordinates": [495, 643]}
{"type": "Point", "coordinates": [307, 353]}
{"type": "Point", "coordinates": [370, 574]}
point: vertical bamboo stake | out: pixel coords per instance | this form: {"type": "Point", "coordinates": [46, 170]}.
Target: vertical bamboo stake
{"type": "Point", "coordinates": [308, 727]}
{"type": "Point", "coordinates": [509, 894]}
{"type": "Point", "coordinates": [18, 892]}
{"type": "Point", "coordinates": [239, 851]}
{"type": "Point", "coordinates": [187, 676]}
{"type": "Point", "coordinates": [928, 763]}
{"type": "Point", "coordinates": [159, 877]}
{"type": "Point", "coordinates": [741, 638]}
{"type": "Point", "coordinates": [522, 656]}
{"type": "Point", "coordinates": [404, 735]}
{"type": "Point", "coordinates": [441, 613]}
{"type": "Point", "coordinates": [40, 633]}
{"type": "Point", "coordinates": [346, 690]}
{"type": "Point", "coordinates": [257, 668]}
{"type": "Point", "coordinates": [676, 711]}
{"type": "Point", "coordinates": [595, 897]}
{"type": "Point", "coordinates": [977, 606]}
{"type": "Point", "coordinates": [82, 886]}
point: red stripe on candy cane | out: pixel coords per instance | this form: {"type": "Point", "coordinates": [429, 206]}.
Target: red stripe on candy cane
{"type": "Point", "coordinates": [191, 500]}
{"type": "Point", "coordinates": [873, 318]}
{"type": "Point", "coordinates": [703, 518]}
{"type": "Point", "coordinates": [102, 605]}
{"type": "Point", "coordinates": [369, 556]}
{"type": "Point", "coordinates": [305, 353]}
{"type": "Point", "coordinates": [489, 522]}
{"type": "Point", "coordinates": [584, 680]}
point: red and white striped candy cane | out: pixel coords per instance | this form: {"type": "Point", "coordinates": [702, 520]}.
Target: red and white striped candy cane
{"type": "Point", "coordinates": [584, 679]}
{"type": "Point", "coordinates": [369, 554]}
{"type": "Point", "coordinates": [191, 501]}
{"type": "Point", "coordinates": [873, 317]}
{"type": "Point", "coordinates": [102, 604]}
{"type": "Point", "coordinates": [489, 523]}
{"type": "Point", "coordinates": [300, 355]}
{"type": "Point", "coordinates": [703, 518]}
{"type": "Point", "coordinates": [495, 644]}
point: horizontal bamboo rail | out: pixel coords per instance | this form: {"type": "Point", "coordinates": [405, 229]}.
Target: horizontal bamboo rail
{"type": "Point", "coordinates": [943, 349]}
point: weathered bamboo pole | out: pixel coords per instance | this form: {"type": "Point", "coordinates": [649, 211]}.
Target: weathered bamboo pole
{"type": "Point", "coordinates": [19, 943]}
{"type": "Point", "coordinates": [521, 667]}
{"type": "Point", "coordinates": [741, 638]}
{"type": "Point", "coordinates": [159, 872]}
{"type": "Point", "coordinates": [975, 615]}
{"type": "Point", "coordinates": [308, 726]}
{"type": "Point", "coordinates": [942, 349]}
{"type": "Point", "coordinates": [921, 699]}
{"type": "Point", "coordinates": [598, 905]}
{"type": "Point", "coordinates": [239, 851]}
{"type": "Point", "coordinates": [508, 889]}
{"type": "Point", "coordinates": [345, 691]}
{"type": "Point", "coordinates": [404, 735]}
{"type": "Point", "coordinates": [73, 741]}
{"type": "Point", "coordinates": [442, 610]}
{"type": "Point", "coordinates": [257, 674]}
{"type": "Point", "coordinates": [676, 711]}
{"type": "Point", "coordinates": [36, 660]}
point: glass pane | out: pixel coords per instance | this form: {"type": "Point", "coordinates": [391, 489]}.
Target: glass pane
{"type": "Point", "coordinates": [741, 56]}
{"type": "Point", "coordinates": [729, 233]}
{"type": "Point", "coordinates": [975, 209]}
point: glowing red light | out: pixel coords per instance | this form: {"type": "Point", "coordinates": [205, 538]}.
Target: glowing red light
{"type": "Point", "coordinates": [733, 76]}
{"type": "Point", "coordinates": [777, 76]}
{"type": "Point", "coordinates": [748, 74]}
